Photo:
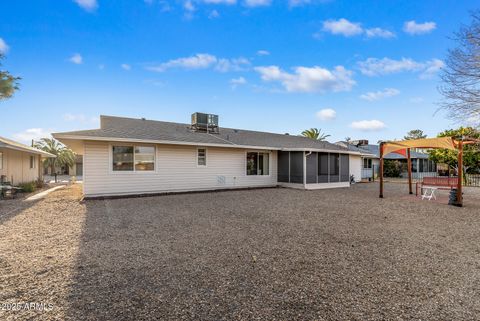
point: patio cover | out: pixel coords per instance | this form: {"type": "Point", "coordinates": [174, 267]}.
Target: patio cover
{"type": "Point", "coordinates": [401, 146]}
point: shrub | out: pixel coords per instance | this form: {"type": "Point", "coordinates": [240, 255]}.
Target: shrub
{"type": "Point", "coordinates": [39, 183]}
{"type": "Point", "coordinates": [28, 187]}
{"type": "Point", "coordinates": [392, 168]}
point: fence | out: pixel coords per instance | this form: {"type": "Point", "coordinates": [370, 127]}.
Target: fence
{"type": "Point", "coordinates": [371, 174]}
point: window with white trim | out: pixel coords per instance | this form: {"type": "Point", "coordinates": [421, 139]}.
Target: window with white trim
{"type": "Point", "coordinates": [367, 163]}
{"type": "Point", "coordinates": [136, 158]}
{"type": "Point", "coordinates": [202, 156]}
{"type": "Point", "coordinates": [258, 163]}
{"type": "Point", "coordinates": [32, 162]}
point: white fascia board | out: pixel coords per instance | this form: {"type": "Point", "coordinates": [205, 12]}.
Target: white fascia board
{"type": "Point", "coordinates": [168, 142]}
{"type": "Point", "coordinates": [165, 142]}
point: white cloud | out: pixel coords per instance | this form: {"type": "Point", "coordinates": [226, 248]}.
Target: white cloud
{"type": "Point", "coordinates": [348, 29]}
{"type": "Point", "coordinates": [376, 67]}
{"type": "Point", "coordinates": [198, 61]}
{"type": "Point", "coordinates": [203, 61]}
{"type": "Point", "coordinates": [368, 125]}
{"type": "Point", "coordinates": [417, 100]}
{"type": "Point", "coordinates": [379, 33]}
{"type": "Point", "coordinates": [88, 5]}
{"type": "Point", "coordinates": [263, 53]}
{"type": "Point", "coordinates": [32, 133]}
{"type": "Point", "coordinates": [257, 3]}
{"type": "Point", "coordinates": [342, 27]}
{"type": "Point", "coordinates": [432, 67]}
{"type": "Point", "coordinates": [126, 66]}
{"type": "Point", "coordinates": [189, 10]}
{"type": "Point", "coordinates": [213, 14]}
{"type": "Point", "coordinates": [3, 46]}
{"type": "Point", "coordinates": [235, 64]}
{"type": "Point", "coordinates": [309, 79]}
{"type": "Point", "coordinates": [377, 95]}
{"type": "Point", "coordinates": [229, 2]}
{"type": "Point", "coordinates": [235, 82]}
{"type": "Point", "coordinates": [296, 3]}
{"type": "Point", "coordinates": [413, 28]}
{"type": "Point", "coordinates": [76, 59]}
{"type": "Point", "coordinates": [326, 114]}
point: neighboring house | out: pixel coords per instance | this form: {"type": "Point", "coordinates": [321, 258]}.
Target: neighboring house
{"type": "Point", "coordinates": [421, 165]}
{"type": "Point", "coordinates": [138, 156]}
{"type": "Point", "coordinates": [20, 163]}
{"type": "Point", "coordinates": [75, 170]}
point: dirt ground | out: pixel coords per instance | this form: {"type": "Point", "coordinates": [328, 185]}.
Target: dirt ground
{"type": "Point", "coordinates": [266, 254]}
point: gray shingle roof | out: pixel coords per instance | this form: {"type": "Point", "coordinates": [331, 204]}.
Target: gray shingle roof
{"type": "Point", "coordinates": [375, 150]}
{"type": "Point", "coordinates": [152, 130]}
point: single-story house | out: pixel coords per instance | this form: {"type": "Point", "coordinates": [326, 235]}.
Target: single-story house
{"type": "Point", "coordinates": [139, 156]}
{"type": "Point", "coordinates": [421, 165]}
{"type": "Point", "coordinates": [20, 163]}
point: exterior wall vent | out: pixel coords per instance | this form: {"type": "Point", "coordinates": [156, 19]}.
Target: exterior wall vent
{"type": "Point", "coordinates": [207, 123]}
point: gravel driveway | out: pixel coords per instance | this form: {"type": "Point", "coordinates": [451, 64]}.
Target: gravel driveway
{"type": "Point", "coordinates": [267, 254]}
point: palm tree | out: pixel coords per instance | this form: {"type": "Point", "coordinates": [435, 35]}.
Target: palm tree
{"type": "Point", "coordinates": [315, 133]}
{"type": "Point", "coordinates": [65, 156]}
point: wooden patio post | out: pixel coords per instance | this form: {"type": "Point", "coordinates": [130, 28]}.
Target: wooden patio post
{"type": "Point", "coordinates": [381, 170]}
{"type": "Point", "coordinates": [460, 174]}
{"type": "Point", "coordinates": [409, 171]}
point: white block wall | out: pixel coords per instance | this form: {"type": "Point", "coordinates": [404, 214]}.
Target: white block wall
{"type": "Point", "coordinates": [356, 167]}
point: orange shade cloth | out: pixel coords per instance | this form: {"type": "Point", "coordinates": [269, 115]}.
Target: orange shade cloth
{"type": "Point", "coordinates": [401, 146]}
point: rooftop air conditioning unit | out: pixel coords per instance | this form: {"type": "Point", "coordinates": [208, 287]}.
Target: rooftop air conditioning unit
{"type": "Point", "coordinates": [205, 122]}
{"type": "Point", "coordinates": [360, 142]}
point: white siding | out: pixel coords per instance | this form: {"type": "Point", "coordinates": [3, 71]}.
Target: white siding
{"type": "Point", "coordinates": [16, 166]}
{"type": "Point", "coordinates": [356, 167]}
{"type": "Point", "coordinates": [176, 170]}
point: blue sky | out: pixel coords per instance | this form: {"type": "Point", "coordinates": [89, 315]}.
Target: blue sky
{"type": "Point", "coordinates": [362, 69]}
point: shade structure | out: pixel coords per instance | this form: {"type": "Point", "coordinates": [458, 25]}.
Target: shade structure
{"type": "Point", "coordinates": [403, 147]}
{"type": "Point", "coordinates": [400, 147]}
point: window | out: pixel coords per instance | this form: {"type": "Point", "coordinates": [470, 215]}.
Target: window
{"type": "Point", "coordinates": [1, 160]}
{"type": "Point", "coordinates": [367, 163]}
{"type": "Point", "coordinates": [202, 157]}
{"type": "Point", "coordinates": [32, 162]}
{"type": "Point", "coordinates": [122, 158]}
{"type": "Point", "coordinates": [144, 158]}
{"type": "Point", "coordinates": [133, 158]}
{"type": "Point", "coordinates": [258, 163]}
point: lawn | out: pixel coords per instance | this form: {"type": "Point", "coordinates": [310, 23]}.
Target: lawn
{"type": "Point", "coordinates": [266, 254]}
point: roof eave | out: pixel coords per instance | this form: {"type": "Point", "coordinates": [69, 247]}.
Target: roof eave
{"type": "Point", "coordinates": [61, 136]}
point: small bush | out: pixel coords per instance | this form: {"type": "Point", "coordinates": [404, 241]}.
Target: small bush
{"type": "Point", "coordinates": [39, 183]}
{"type": "Point", "coordinates": [28, 187]}
{"type": "Point", "coordinates": [392, 168]}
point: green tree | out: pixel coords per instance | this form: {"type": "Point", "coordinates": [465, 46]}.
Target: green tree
{"type": "Point", "coordinates": [315, 133]}
{"type": "Point", "coordinates": [415, 134]}
{"type": "Point", "coordinates": [392, 168]}
{"type": "Point", "coordinates": [471, 153]}
{"type": "Point", "coordinates": [8, 83]}
{"type": "Point", "coordinates": [65, 156]}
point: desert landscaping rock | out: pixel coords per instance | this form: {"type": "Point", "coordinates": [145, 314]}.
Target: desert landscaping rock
{"type": "Point", "coordinates": [266, 254]}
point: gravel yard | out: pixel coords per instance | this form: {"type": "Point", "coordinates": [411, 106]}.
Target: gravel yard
{"type": "Point", "coordinates": [267, 254]}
